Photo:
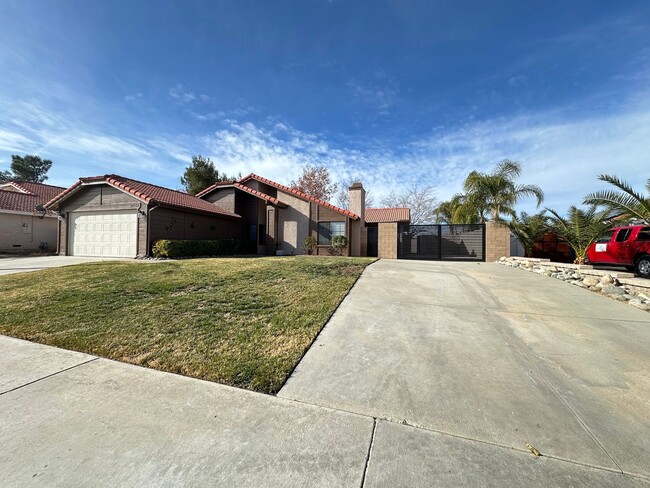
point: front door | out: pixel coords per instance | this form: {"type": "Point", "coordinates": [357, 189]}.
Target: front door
{"type": "Point", "coordinates": [373, 242]}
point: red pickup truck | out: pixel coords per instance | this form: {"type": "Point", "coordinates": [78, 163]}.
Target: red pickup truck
{"type": "Point", "coordinates": [627, 246]}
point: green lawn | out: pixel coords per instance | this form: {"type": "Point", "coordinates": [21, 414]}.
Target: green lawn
{"type": "Point", "coordinates": [245, 322]}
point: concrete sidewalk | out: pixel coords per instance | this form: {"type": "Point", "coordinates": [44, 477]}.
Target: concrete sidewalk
{"type": "Point", "coordinates": [68, 419]}
{"type": "Point", "coordinates": [10, 264]}
{"type": "Point", "coordinates": [73, 420]}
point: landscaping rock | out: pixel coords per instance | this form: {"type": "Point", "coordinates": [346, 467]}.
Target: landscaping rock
{"type": "Point", "coordinates": [613, 290]}
{"type": "Point", "coordinates": [607, 279]}
{"type": "Point", "coordinates": [590, 281]}
{"type": "Point", "coordinates": [640, 305]}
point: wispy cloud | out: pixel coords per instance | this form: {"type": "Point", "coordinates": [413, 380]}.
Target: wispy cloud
{"type": "Point", "coordinates": [13, 141]}
{"type": "Point", "coordinates": [131, 98]}
{"type": "Point", "coordinates": [379, 94]}
{"type": "Point", "coordinates": [561, 152]}
{"type": "Point", "coordinates": [181, 94]}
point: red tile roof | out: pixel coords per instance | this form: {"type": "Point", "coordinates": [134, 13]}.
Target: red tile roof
{"type": "Point", "coordinates": [212, 187]}
{"type": "Point", "coordinates": [376, 215]}
{"type": "Point", "coordinates": [26, 195]}
{"type": "Point", "coordinates": [150, 194]}
{"type": "Point", "coordinates": [259, 194]}
{"type": "Point", "coordinates": [299, 194]}
{"type": "Point", "coordinates": [239, 186]}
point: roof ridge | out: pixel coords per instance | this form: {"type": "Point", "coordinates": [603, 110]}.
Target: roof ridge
{"type": "Point", "coordinates": [115, 177]}
{"type": "Point", "coordinates": [31, 183]}
{"type": "Point", "coordinates": [15, 184]}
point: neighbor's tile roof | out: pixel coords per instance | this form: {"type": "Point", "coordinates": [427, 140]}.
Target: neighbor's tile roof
{"type": "Point", "coordinates": [299, 194]}
{"type": "Point", "coordinates": [150, 194]}
{"type": "Point", "coordinates": [376, 215]}
{"type": "Point", "coordinates": [25, 195]}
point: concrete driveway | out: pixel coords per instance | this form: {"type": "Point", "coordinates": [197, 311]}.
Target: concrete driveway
{"type": "Point", "coordinates": [10, 264]}
{"type": "Point", "coordinates": [427, 375]}
{"type": "Point", "coordinates": [482, 360]}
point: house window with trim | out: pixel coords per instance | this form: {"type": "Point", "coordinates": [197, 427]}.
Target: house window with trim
{"type": "Point", "coordinates": [327, 230]}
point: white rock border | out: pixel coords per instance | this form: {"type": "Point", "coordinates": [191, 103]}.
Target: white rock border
{"type": "Point", "coordinates": [618, 286]}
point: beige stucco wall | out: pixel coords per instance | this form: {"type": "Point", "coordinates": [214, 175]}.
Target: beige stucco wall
{"type": "Point", "coordinates": [293, 223]}
{"type": "Point", "coordinates": [224, 198]}
{"type": "Point", "coordinates": [387, 240]}
{"type": "Point", "coordinates": [26, 232]}
{"type": "Point", "coordinates": [497, 241]}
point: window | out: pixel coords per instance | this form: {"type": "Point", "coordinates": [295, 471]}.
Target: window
{"type": "Point", "coordinates": [644, 234]}
{"type": "Point", "coordinates": [623, 234]}
{"type": "Point", "coordinates": [327, 230]}
{"type": "Point", "coordinates": [252, 232]}
{"type": "Point", "coordinates": [606, 237]}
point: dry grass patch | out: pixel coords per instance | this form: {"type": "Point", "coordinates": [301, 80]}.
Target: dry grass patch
{"type": "Point", "coordinates": [245, 322]}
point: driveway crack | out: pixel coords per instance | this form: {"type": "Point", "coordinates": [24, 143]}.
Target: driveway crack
{"type": "Point", "coordinates": [524, 353]}
{"type": "Point", "coordinates": [369, 454]}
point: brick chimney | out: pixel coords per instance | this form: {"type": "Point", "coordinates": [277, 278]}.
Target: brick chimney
{"type": "Point", "coordinates": [358, 201]}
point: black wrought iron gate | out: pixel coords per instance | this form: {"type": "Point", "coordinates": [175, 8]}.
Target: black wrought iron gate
{"type": "Point", "coordinates": [449, 242]}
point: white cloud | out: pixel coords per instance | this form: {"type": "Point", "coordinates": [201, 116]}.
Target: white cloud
{"type": "Point", "coordinates": [13, 141]}
{"type": "Point", "coordinates": [131, 98]}
{"type": "Point", "coordinates": [180, 93]}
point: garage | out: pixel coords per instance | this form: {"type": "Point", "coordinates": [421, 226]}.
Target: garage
{"type": "Point", "coordinates": [106, 233]}
{"type": "Point", "coordinates": [111, 216]}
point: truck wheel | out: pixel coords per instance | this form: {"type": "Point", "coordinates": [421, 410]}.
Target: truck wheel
{"type": "Point", "coordinates": [642, 266]}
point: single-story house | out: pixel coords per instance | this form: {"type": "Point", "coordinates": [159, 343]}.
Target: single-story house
{"type": "Point", "coordinates": [115, 216]}
{"type": "Point", "coordinates": [279, 218]}
{"type": "Point", "coordinates": [25, 225]}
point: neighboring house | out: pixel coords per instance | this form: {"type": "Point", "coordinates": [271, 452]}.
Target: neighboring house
{"type": "Point", "coordinates": [115, 216]}
{"type": "Point", "coordinates": [119, 217]}
{"type": "Point", "coordinates": [279, 218]}
{"type": "Point", "coordinates": [24, 224]}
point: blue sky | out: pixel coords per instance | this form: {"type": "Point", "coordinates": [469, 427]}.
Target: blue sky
{"type": "Point", "coordinates": [391, 92]}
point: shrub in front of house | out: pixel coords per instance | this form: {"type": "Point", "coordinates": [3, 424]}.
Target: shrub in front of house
{"type": "Point", "coordinates": [339, 243]}
{"type": "Point", "coordinates": [309, 244]}
{"type": "Point", "coordinates": [167, 248]}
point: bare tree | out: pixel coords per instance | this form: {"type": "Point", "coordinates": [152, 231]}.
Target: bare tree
{"type": "Point", "coordinates": [343, 195]}
{"type": "Point", "coordinates": [420, 199]}
{"type": "Point", "coordinates": [315, 181]}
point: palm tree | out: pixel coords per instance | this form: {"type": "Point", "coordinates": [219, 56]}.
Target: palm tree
{"type": "Point", "coordinates": [528, 229]}
{"type": "Point", "coordinates": [580, 228]}
{"type": "Point", "coordinates": [455, 211]}
{"type": "Point", "coordinates": [497, 193]}
{"type": "Point", "coordinates": [625, 201]}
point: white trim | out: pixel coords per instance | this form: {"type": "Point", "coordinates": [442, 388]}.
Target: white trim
{"type": "Point", "coordinates": [34, 214]}
{"type": "Point", "coordinates": [93, 183]}
{"type": "Point", "coordinates": [14, 185]}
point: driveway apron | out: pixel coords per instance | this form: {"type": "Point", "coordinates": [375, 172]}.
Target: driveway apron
{"type": "Point", "coordinates": [488, 353]}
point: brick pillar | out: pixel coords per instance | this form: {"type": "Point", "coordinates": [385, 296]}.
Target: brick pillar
{"type": "Point", "coordinates": [387, 240]}
{"type": "Point", "coordinates": [497, 241]}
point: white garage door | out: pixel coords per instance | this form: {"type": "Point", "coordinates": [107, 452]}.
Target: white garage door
{"type": "Point", "coordinates": [111, 234]}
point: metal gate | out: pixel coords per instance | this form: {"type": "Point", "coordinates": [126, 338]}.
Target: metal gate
{"type": "Point", "coordinates": [449, 242]}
